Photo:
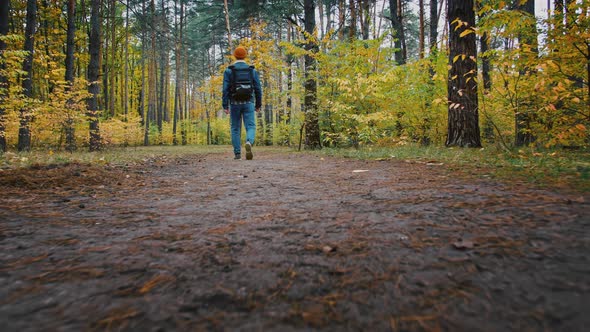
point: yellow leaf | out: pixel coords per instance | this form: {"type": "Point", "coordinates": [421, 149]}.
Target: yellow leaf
{"type": "Point", "coordinates": [465, 32]}
{"type": "Point", "coordinates": [456, 58]}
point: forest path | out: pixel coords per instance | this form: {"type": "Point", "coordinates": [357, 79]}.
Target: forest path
{"type": "Point", "coordinates": [288, 241]}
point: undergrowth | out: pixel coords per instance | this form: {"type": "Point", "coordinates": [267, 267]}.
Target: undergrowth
{"type": "Point", "coordinates": [115, 156]}
{"type": "Point", "coordinates": [548, 168]}
{"type": "Point", "coordinates": [544, 168]}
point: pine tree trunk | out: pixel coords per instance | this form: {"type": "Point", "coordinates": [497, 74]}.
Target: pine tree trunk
{"type": "Point", "coordinates": [524, 115]}
{"type": "Point", "coordinates": [400, 18]}
{"type": "Point", "coordinates": [484, 44]}
{"type": "Point", "coordinates": [365, 18]}
{"type": "Point", "coordinates": [94, 75]}
{"type": "Point", "coordinates": [227, 26]}
{"type": "Point", "coordinates": [463, 120]}
{"type": "Point", "coordinates": [421, 28]}
{"type": "Point", "coordinates": [312, 128]}
{"type": "Point", "coordinates": [126, 64]}
{"type": "Point", "coordinates": [152, 79]}
{"type": "Point", "coordinates": [162, 65]}
{"type": "Point", "coordinates": [4, 16]}
{"type": "Point", "coordinates": [433, 25]}
{"type": "Point", "coordinates": [177, 106]}
{"type": "Point", "coordinates": [24, 131]}
{"type": "Point", "coordinates": [341, 18]}
{"type": "Point", "coordinates": [141, 102]}
{"type": "Point", "coordinates": [184, 91]}
{"type": "Point", "coordinates": [321, 16]}
{"type": "Point", "coordinates": [398, 31]}
{"type": "Point", "coordinates": [69, 76]}
{"type": "Point", "coordinates": [352, 27]}
{"type": "Point", "coordinates": [112, 72]}
{"type": "Point", "coordinates": [289, 77]}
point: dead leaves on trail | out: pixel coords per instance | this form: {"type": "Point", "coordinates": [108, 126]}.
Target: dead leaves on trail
{"type": "Point", "coordinates": [155, 281]}
{"type": "Point", "coordinates": [117, 317]}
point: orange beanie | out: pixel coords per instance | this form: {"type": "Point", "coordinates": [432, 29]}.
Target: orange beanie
{"type": "Point", "coordinates": [240, 53]}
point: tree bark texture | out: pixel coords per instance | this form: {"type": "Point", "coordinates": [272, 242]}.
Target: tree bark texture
{"type": "Point", "coordinates": [353, 15]}
{"type": "Point", "coordinates": [69, 76]}
{"type": "Point", "coordinates": [463, 118]}
{"type": "Point", "coordinates": [312, 127]}
{"type": "Point", "coordinates": [4, 15]}
{"type": "Point", "coordinates": [126, 64]}
{"type": "Point", "coordinates": [398, 31]}
{"type": "Point", "coordinates": [94, 75]}
{"type": "Point", "coordinates": [433, 25]}
{"type": "Point", "coordinates": [341, 18]}
{"type": "Point", "coordinates": [421, 37]}
{"type": "Point", "coordinates": [365, 17]}
{"type": "Point", "coordinates": [524, 114]}
{"type": "Point", "coordinates": [25, 117]}
{"type": "Point", "coordinates": [112, 72]}
{"type": "Point", "coordinates": [152, 79]}
{"type": "Point", "coordinates": [227, 26]}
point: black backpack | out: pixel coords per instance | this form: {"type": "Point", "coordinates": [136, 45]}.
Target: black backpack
{"type": "Point", "coordinates": [242, 83]}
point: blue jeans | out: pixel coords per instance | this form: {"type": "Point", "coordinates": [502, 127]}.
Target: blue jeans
{"type": "Point", "coordinates": [237, 113]}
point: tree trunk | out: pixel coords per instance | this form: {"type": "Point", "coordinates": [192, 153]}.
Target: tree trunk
{"type": "Point", "coordinates": [24, 131]}
{"type": "Point", "coordinates": [365, 17]}
{"type": "Point", "coordinates": [126, 64]}
{"type": "Point", "coordinates": [112, 71]}
{"type": "Point", "coordinates": [352, 27]}
{"type": "Point", "coordinates": [463, 119]}
{"type": "Point", "coordinates": [94, 75]}
{"type": "Point", "coordinates": [152, 79]}
{"type": "Point", "coordinates": [398, 31]}
{"type": "Point", "coordinates": [341, 18]}
{"type": "Point", "coordinates": [69, 76]}
{"type": "Point", "coordinates": [141, 103]}
{"type": "Point", "coordinates": [321, 16]}
{"type": "Point", "coordinates": [312, 127]}
{"type": "Point", "coordinates": [289, 77]}
{"type": "Point", "coordinates": [433, 25]}
{"type": "Point", "coordinates": [484, 43]}
{"type": "Point", "coordinates": [185, 82]}
{"type": "Point", "coordinates": [328, 12]}
{"type": "Point", "coordinates": [524, 114]}
{"type": "Point", "coordinates": [400, 17]}
{"type": "Point", "coordinates": [227, 27]}
{"type": "Point", "coordinates": [421, 28]}
{"type": "Point", "coordinates": [162, 64]}
{"type": "Point", "coordinates": [4, 15]}
{"type": "Point", "coordinates": [177, 89]}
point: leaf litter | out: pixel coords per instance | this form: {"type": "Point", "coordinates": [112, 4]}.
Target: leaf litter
{"type": "Point", "coordinates": [297, 244]}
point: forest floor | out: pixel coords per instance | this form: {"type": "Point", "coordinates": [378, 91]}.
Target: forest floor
{"type": "Point", "coordinates": [288, 241]}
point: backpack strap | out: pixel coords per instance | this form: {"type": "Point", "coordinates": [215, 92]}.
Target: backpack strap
{"type": "Point", "coordinates": [252, 75]}
{"type": "Point", "coordinates": [232, 82]}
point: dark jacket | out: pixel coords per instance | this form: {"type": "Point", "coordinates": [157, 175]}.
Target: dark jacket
{"type": "Point", "coordinates": [227, 78]}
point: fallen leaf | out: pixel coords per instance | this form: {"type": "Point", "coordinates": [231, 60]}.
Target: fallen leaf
{"type": "Point", "coordinates": [463, 244]}
{"type": "Point", "coordinates": [328, 249]}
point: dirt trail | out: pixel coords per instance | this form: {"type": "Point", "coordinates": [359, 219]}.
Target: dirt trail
{"type": "Point", "coordinates": [288, 242]}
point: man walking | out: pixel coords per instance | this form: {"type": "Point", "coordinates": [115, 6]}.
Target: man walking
{"type": "Point", "coordinates": [242, 95]}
